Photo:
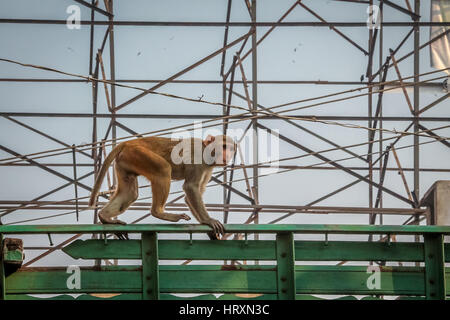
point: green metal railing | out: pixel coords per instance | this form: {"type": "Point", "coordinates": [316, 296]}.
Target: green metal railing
{"type": "Point", "coordinates": [283, 280]}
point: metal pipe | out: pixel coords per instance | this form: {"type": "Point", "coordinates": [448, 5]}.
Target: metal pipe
{"type": "Point", "coordinates": [229, 24]}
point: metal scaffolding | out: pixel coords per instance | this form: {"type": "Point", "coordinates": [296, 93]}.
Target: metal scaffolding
{"type": "Point", "coordinates": [381, 142]}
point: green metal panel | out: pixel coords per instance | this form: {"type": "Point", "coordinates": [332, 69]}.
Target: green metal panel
{"type": "Point", "coordinates": [2, 271]}
{"type": "Point", "coordinates": [174, 249]}
{"type": "Point", "coordinates": [218, 279]}
{"type": "Point", "coordinates": [99, 249]}
{"type": "Point", "coordinates": [343, 280]}
{"type": "Point", "coordinates": [358, 251]}
{"type": "Point", "coordinates": [54, 280]}
{"type": "Point", "coordinates": [250, 250]}
{"type": "Point", "coordinates": [150, 270]}
{"type": "Point", "coordinates": [434, 267]}
{"type": "Point", "coordinates": [285, 266]}
{"type": "Point", "coordinates": [231, 228]}
{"type": "Point", "coordinates": [286, 281]}
{"type": "Point", "coordinates": [353, 280]}
{"type": "Point", "coordinates": [217, 250]}
{"type": "Point", "coordinates": [128, 279]}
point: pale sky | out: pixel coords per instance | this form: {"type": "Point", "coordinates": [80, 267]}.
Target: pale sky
{"type": "Point", "coordinates": [289, 53]}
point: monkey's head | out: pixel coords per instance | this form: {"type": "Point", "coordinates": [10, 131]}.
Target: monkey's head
{"type": "Point", "coordinates": [219, 149]}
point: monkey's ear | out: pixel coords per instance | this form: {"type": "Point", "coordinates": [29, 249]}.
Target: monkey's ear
{"type": "Point", "coordinates": [208, 140]}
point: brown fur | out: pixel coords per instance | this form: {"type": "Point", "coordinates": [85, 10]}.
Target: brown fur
{"type": "Point", "coordinates": [151, 158]}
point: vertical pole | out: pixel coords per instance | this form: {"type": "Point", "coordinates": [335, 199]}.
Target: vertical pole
{"type": "Point", "coordinates": [2, 271]}
{"type": "Point", "coordinates": [416, 100]}
{"type": "Point", "coordinates": [94, 124]}
{"type": "Point", "coordinates": [75, 179]}
{"type": "Point", "coordinates": [91, 44]}
{"type": "Point", "coordinates": [254, 108]}
{"type": "Point", "coordinates": [434, 267]}
{"type": "Point", "coordinates": [95, 155]}
{"type": "Point", "coordinates": [380, 149]}
{"type": "Point", "coordinates": [150, 269]}
{"type": "Point", "coordinates": [98, 262]}
{"type": "Point", "coordinates": [369, 111]}
{"type": "Point", "coordinates": [416, 108]}
{"type": "Point", "coordinates": [224, 128]}
{"type": "Point", "coordinates": [382, 175]}
{"type": "Point", "coordinates": [285, 266]}
{"type": "Point", "coordinates": [113, 78]}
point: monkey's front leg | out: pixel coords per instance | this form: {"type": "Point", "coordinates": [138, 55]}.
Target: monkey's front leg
{"type": "Point", "coordinates": [195, 203]}
{"type": "Point", "coordinates": [212, 235]}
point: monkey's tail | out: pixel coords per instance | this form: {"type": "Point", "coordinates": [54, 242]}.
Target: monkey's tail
{"type": "Point", "coordinates": [98, 183]}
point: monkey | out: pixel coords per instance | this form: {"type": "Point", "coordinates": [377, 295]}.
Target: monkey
{"type": "Point", "coordinates": [162, 160]}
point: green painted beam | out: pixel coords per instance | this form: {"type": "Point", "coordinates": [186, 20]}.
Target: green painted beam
{"type": "Point", "coordinates": [99, 249]}
{"type": "Point", "coordinates": [217, 250]}
{"type": "Point", "coordinates": [54, 280]}
{"type": "Point", "coordinates": [285, 266]}
{"type": "Point", "coordinates": [150, 270]}
{"type": "Point", "coordinates": [354, 280]}
{"type": "Point", "coordinates": [358, 251]}
{"type": "Point", "coordinates": [285, 280]}
{"type": "Point", "coordinates": [434, 281]}
{"type": "Point", "coordinates": [128, 279]}
{"type": "Point", "coordinates": [174, 249]}
{"type": "Point", "coordinates": [216, 279]}
{"type": "Point", "coordinates": [2, 271]}
{"type": "Point", "coordinates": [232, 228]}
{"type": "Point", "coordinates": [342, 280]}
{"type": "Point", "coordinates": [251, 250]}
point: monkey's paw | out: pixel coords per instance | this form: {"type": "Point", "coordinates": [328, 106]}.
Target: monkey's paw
{"type": "Point", "coordinates": [218, 229]}
{"type": "Point", "coordinates": [184, 217]}
{"type": "Point", "coordinates": [106, 220]}
{"type": "Point", "coordinates": [213, 236]}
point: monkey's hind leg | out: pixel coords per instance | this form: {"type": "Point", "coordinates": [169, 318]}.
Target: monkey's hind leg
{"type": "Point", "coordinates": [160, 192]}
{"type": "Point", "coordinates": [158, 171]}
{"type": "Point", "coordinates": [126, 193]}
